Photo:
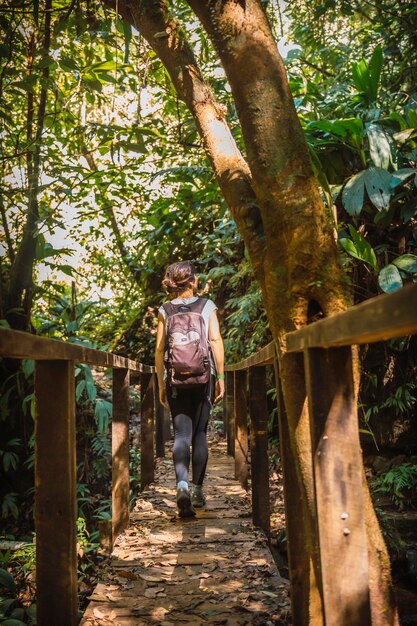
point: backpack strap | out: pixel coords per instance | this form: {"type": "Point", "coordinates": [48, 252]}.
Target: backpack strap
{"type": "Point", "coordinates": [169, 309]}
{"type": "Point", "coordinates": [196, 307]}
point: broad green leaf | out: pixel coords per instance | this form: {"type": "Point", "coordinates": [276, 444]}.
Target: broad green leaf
{"type": "Point", "coordinates": [46, 250]}
{"type": "Point", "coordinates": [28, 367]}
{"type": "Point", "coordinates": [407, 262]}
{"type": "Point", "coordinates": [389, 279]}
{"type": "Point", "coordinates": [375, 67]}
{"type": "Point", "coordinates": [103, 411]}
{"type": "Point", "coordinates": [401, 176]}
{"type": "Point", "coordinates": [349, 247]}
{"type": "Point", "coordinates": [377, 183]}
{"type": "Point", "coordinates": [366, 77]}
{"type": "Point", "coordinates": [379, 146]}
{"type": "Point", "coordinates": [412, 118]}
{"type": "Point", "coordinates": [401, 121]}
{"type": "Point", "coordinates": [91, 391]}
{"type": "Point", "coordinates": [409, 209]}
{"type": "Point", "coordinates": [66, 269]}
{"type": "Point", "coordinates": [349, 130]}
{"type": "Point", "coordinates": [127, 33]}
{"type": "Point", "coordinates": [68, 64]}
{"type": "Point", "coordinates": [91, 81]}
{"type": "Point", "coordinates": [404, 135]}
{"type": "Point", "coordinates": [360, 76]}
{"type": "Point", "coordinates": [72, 326]}
{"type": "Point", "coordinates": [364, 249]}
{"type": "Point", "coordinates": [103, 66]}
{"type": "Point", "coordinates": [79, 389]}
{"type": "Point", "coordinates": [105, 77]}
{"type": "Point", "coordinates": [353, 194]}
{"type": "Point", "coordinates": [140, 148]}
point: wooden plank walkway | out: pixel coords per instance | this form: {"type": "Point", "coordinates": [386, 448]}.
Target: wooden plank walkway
{"type": "Point", "coordinates": [213, 569]}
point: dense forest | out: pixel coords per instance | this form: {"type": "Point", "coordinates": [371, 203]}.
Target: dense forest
{"type": "Point", "coordinates": [130, 140]}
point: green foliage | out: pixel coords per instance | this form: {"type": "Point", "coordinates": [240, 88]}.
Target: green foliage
{"type": "Point", "coordinates": [400, 483]}
{"type": "Point", "coordinates": [354, 88]}
{"type": "Point", "coordinates": [16, 583]}
{"type": "Point", "coordinates": [358, 247]}
{"type": "Point", "coordinates": [366, 76]}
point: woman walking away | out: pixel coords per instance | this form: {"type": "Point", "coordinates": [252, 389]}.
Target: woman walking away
{"type": "Point", "coordinates": [189, 362]}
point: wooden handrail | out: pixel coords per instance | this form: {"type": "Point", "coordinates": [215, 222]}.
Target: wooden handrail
{"type": "Point", "coordinates": [384, 317]}
{"type": "Point", "coordinates": [16, 344]}
{"type": "Point", "coordinates": [55, 458]}
{"type": "Point", "coordinates": [339, 532]}
{"type": "Point", "coordinates": [264, 356]}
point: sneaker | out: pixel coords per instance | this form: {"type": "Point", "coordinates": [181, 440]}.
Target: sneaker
{"type": "Point", "coordinates": [185, 508]}
{"type": "Point", "coordinates": [197, 499]}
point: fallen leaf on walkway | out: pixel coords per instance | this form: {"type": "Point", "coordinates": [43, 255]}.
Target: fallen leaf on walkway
{"type": "Point", "coordinates": [151, 579]}
{"type": "Point", "coordinates": [97, 598]}
{"type": "Point", "coordinates": [127, 574]}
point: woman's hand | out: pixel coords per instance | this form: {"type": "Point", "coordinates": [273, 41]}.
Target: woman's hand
{"type": "Point", "coordinates": [219, 390]}
{"type": "Point", "coordinates": [163, 397]}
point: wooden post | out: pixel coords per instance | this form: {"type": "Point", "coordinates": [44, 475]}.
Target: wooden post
{"type": "Point", "coordinates": [120, 452]}
{"type": "Point", "coordinates": [229, 413]}
{"type": "Point", "coordinates": [159, 422]}
{"type": "Point", "coordinates": [147, 458]}
{"type": "Point", "coordinates": [55, 496]}
{"type": "Point", "coordinates": [298, 573]}
{"type": "Point", "coordinates": [258, 410]}
{"type": "Point", "coordinates": [338, 486]}
{"type": "Point", "coordinates": [241, 427]}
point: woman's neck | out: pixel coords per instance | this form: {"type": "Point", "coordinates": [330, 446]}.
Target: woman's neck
{"type": "Point", "coordinates": [188, 293]}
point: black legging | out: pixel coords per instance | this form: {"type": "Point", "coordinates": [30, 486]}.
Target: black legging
{"type": "Point", "coordinates": [190, 412]}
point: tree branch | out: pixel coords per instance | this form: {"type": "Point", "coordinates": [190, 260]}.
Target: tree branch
{"type": "Point", "coordinates": [166, 38]}
{"type": "Point", "coordinates": [20, 278]}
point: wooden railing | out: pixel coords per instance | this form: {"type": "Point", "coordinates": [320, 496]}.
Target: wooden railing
{"type": "Point", "coordinates": [334, 439]}
{"type": "Point", "coordinates": [55, 458]}
{"type": "Point", "coordinates": [336, 455]}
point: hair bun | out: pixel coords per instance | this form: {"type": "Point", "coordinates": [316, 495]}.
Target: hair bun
{"type": "Point", "coordinates": [169, 285]}
{"type": "Point", "coordinates": [178, 277]}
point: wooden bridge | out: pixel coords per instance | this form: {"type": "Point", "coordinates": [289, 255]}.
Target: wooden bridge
{"type": "Point", "coordinates": [326, 345]}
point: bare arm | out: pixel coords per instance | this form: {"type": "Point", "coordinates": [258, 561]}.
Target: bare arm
{"type": "Point", "coordinates": [159, 359]}
{"type": "Point", "coordinates": [217, 348]}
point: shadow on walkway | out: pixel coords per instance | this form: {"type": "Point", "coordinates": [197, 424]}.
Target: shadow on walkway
{"type": "Point", "coordinates": [215, 568]}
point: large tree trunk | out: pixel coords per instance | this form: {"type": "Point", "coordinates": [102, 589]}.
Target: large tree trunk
{"type": "Point", "coordinates": [301, 263]}
{"type": "Point", "coordinates": [278, 210]}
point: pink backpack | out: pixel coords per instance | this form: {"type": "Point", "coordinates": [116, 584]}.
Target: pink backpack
{"type": "Point", "coordinates": [187, 351]}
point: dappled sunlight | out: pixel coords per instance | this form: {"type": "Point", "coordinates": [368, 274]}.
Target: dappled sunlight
{"type": "Point", "coordinates": [215, 566]}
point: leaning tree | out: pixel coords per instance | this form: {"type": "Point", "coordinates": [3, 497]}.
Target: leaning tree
{"type": "Point", "coordinates": [275, 201]}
